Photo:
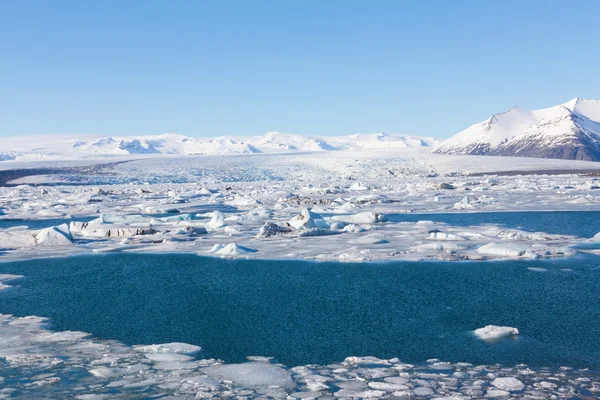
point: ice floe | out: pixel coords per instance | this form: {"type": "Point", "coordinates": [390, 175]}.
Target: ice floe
{"type": "Point", "coordinates": [278, 205]}
{"type": "Point", "coordinates": [494, 332]}
{"type": "Point", "coordinates": [230, 250]}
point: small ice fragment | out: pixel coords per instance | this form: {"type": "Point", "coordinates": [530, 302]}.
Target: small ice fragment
{"type": "Point", "coordinates": [170, 348]}
{"type": "Point", "coordinates": [252, 375]}
{"type": "Point", "coordinates": [510, 384]}
{"type": "Point", "coordinates": [494, 332]}
{"type": "Point", "coordinates": [231, 249]}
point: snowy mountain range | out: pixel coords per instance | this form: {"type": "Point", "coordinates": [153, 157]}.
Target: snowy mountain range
{"type": "Point", "coordinates": [63, 147]}
{"type": "Point", "coordinates": [567, 131]}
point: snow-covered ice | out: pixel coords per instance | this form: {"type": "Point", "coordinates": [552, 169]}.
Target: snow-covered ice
{"type": "Point", "coordinates": [341, 207]}
{"type": "Point", "coordinates": [494, 332]}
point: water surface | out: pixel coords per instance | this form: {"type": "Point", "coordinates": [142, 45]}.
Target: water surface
{"type": "Point", "coordinates": [305, 312]}
{"type": "Point", "coordinates": [579, 223]}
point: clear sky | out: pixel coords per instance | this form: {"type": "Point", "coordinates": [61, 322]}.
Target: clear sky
{"type": "Point", "coordinates": [323, 67]}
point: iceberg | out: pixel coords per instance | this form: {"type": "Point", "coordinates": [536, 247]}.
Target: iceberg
{"type": "Point", "coordinates": [230, 250]}
{"type": "Point", "coordinates": [509, 384]}
{"type": "Point", "coordinates": [495, 332]}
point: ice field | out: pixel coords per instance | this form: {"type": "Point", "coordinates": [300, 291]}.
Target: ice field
{"type": "Point", "coordinates": [273, 206]}
{"type": "Point", "coordinates": [340, 206]}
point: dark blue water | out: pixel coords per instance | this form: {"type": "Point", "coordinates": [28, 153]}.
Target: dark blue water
{"type": "Point", "coordinates": [580, 223]}
{"type": "Point", "coordinates": [301, 312]}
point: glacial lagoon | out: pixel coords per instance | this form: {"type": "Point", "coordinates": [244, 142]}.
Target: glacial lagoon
{"type": "Point", "coordinates": [309, 312]}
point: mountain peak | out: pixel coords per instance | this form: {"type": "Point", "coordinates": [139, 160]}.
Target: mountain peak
{"type": "Point", "coordinates": [528, 133]}
{"type": "Point", "coordinates": [572, 104]}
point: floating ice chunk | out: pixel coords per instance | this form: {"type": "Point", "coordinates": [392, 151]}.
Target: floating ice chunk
{"type": "Point", "coordinates": [495, 332]}
{"type": "Point", "coordinates": [175, 348]}
{"type": "Point", "coordinates": [337, 225]}
{"type": "Point", "coordinates": [194, 230]}
{"type": "Point", "coordinates": [231, 230]}
{"type": "Point", "coordinates": [62, 336]}
{"type": "Point", "coordinates": [215, 248]}
{"type": "Point", "coordinates": [50, 213]}
{"type": "Point", "coordinates": [346, 208]}
{"type": "Point", "coordinates": [217, 221]}
{"type": "Point", "coordinates": [52, 236]}
{"type": "Point", "coordinates": [519, 250]}
{"type": "Point", "coordinates": [506, 250]}
{"type": "Point", "coordinates": [115, 231]}
{"type": "Point", "coordinates": [365, 360]}
{"type": "Point", "coordinates": [465, 203]}
{"type": "Point", "coordinates": [528, 236]}
{"type": "Point", "coordinates": [510, 384]}
{"type": "Point", "coordinates": [366, 217]}
{"type": "Point", "coordinates": [305, 220]}
{"type": "Point", "coordinates": [423, 391]}
{"type": "Point", "coordinates": [354, 228]}
{"type": "Point", "coordinates": [252, 375]}
{"type": "Point", "coordinates": [387, 386]}
{"type": "Point", "coordinates": [180, 217]}
{"type": "Point", "coordinates": [470, 202]}
{"type": "Point", "coordinates": [168, 357]}
{"type": "Point", "coordinates": [257, 214]}
{"type": "Point", "coordinates": [161, 210]}
{"type": "Point", "coordinates": [231, 250]}
{"type": "Point", "coordinates": [7, 277]}
{"type": "Point", "coordinates": [596, 238]}
{"type": "Point", "coordinates": [497, 393]}
{"type": "Point", "coordinates": [272, 229]}
{"type": "Point", "coordinates": [102, 372]}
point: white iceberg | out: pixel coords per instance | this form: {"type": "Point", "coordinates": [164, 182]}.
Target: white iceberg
{"type": "Point", "coordinates": [217, 221]}
{"type": "Point", "coordinates": [366, 217]}
{"type": "Point", "coordinates": [495, 332]}
{"type": "Point", "coordinates": [305, 220]}
{"type": "Point", "coordinates": [230, 250]}
{"type": "Point", "coordinates": [52, 236]}
{"type": "Point", "coordinates": [172, 348]}
{"type": "Point", "coordinates": [509, 384]}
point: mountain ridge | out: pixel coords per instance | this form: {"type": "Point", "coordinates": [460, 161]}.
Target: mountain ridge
{"type": "Point", "coordinates": [568, 131]}
{"type": "Point", "coordinates": [169, 143]}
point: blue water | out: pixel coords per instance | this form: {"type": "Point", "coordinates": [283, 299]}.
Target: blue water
{"type": "Point", "coordinates": [580, 223]}
{"type": "Point", "coordinates": [302, 312]}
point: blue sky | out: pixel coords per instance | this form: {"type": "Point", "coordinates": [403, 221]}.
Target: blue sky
{"type": "Point", "coordinates": [327, 67]}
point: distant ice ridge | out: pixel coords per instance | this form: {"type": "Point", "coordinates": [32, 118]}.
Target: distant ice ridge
{"type": "Point", "coordinates": [566, 131]}
{"type": "Point", "coordinates": [76, 147]}
{"type": "Point", "coordinates": [39, 363]}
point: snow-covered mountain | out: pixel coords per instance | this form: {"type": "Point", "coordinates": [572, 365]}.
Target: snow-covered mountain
{"type": "Point", "coordinates": [568, 131]}
{"type": "Point", "coordinates": [46, 147]}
